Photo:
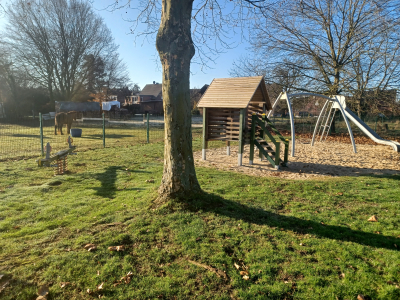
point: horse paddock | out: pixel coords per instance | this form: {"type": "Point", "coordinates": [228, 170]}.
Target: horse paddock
{"type": "Point", "coordinates": [322, 161]}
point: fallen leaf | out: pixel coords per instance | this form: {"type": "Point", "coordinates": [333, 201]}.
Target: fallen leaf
{"type": "Point", "coordinates": [116, 248]}
{"type": "Point", "coordinates": [244, 273]}
{"type": "Point", "coordinates": [100, 287]}
{"type": "Point", "coordinates": [89, 291]}
{"type": "Point", "coordinates": [361, 297]}
{"type": "Point", "coordinates": [245, 277]}
{"type": "Point", "coordinates": [98, 272]}
{"type": "Point", "coordinates": [150, 181]}
{"type": "Point", "coordinates": [43, 291]}
{"type": "Point", "coordinates": [236, 266]}
{"type": "Point", "coordinates": [342, 275]}
{"type": "Point", "coordinates": [340, 194]}
{"type": "Point", "coordinates": [64, 284]}
{"type": "Point", "coordinates": [87, 246]}
{"type": "Point", "coordinates": [373, 219]}
{"type": "Point", "coordinates": [4, 285]}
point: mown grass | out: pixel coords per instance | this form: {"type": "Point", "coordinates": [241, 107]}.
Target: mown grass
{"type": "Point", "coordinates": [296, 239]}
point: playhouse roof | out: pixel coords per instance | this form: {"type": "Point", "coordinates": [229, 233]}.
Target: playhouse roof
{"type": "Point", "coordinates": [235, 92]}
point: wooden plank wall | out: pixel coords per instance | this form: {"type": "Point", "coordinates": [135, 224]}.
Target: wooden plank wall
{"type": "Point", "coordinates": [223, 124]}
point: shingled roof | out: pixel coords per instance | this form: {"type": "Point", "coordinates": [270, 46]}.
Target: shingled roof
{"type": "Point", "coordinates": [151, 90]}
{"type": "Point", "coordinates": [235, 93]}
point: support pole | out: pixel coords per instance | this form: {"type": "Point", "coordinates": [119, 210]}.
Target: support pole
{"type": "Point", "coordinates": [204, 133]}
{"type": "Point", "coordinates": [148, 128]}
{"type": "Point", "coordinates": [41, 133]}
{"type": "Point", "coordinates": [241, 138]}
{"type": "Point", "coordinates": [104, 131]}
{"type": "Point", "coordinates": [252, 137]}
{"type": "Point", "coordinates": [228, 148]}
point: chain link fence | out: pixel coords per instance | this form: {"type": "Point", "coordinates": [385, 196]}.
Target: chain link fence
{"type": "Point", "coordinates": [27, 137]}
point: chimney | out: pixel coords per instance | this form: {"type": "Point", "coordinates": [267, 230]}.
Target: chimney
{"type": "Point", "coordinates": [154, 82]}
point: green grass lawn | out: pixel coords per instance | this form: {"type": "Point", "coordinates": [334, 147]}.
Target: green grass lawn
{"type": "Point", "coordinates": [246, 238]}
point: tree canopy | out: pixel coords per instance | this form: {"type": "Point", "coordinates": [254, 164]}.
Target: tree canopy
{"type": "Point", "coordinates": [51, 40]}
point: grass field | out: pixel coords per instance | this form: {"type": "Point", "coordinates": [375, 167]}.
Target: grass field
{"type": "Point", "coordinates": [245, 238]}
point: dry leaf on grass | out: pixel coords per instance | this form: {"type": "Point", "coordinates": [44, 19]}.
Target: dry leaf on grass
{"type": "Point", "coordinates": [373, 219]}
{"type": "Point", "coordinates": [150, 180]}
{"type": "Point", "coordinates": [245, 277]}
{"type": "Point", "coordinates": [100, 286]}
{"type": "Point", "coordinates": [116, 248]}
{"type": "Point", "coordinates": [361, 297]}
{"type": "Point", "coordinates": [236, 266]}
{"type": "Point", "coordinates": [43, 291]}
{"type": "Point", "coordinates": [244, 273]}
{"type": "Point", "coordinates": [217, 272]}
{"type": "Point", "coordinates": [64, 284]}
{"type": "Point", "coordinates": [127, 278]}
{"type": "Point", "coordinates": [90, 247]}
{"type": "Point", "coordinates": [342, 275]}
{"type": "Point", "coordinates": [4, 285]}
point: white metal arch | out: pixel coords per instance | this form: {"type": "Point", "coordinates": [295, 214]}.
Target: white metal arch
{"type": "Point", "coordinates": [287, 97]}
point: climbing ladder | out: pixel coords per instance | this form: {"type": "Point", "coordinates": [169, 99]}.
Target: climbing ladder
{"type": "Point", "coordinates": [258, 136]}
{"type": "Point", "coordinates": [326, 121]}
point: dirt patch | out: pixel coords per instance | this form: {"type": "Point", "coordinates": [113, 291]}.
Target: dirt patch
{"type": "Point", "coordinates": [323, 160]}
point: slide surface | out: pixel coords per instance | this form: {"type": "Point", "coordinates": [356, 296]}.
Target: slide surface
{"type": "Point", "coordinates": [369, 132]}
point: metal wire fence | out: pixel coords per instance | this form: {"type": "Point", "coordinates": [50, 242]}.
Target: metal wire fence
{"type": "Point", "coordinates": [27, 137]}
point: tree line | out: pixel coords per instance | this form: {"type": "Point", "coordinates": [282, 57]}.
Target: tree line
{"type": "Point", "coordinates": [56, 50]}
{"type": "Point", "coordinates": [330, 47]}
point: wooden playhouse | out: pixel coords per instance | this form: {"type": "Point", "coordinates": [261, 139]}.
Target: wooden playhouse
{"type": "Point", "coordinates": [228, 106]}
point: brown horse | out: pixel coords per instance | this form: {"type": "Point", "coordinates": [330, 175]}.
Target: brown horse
{"type": "Point", "coordinates": [64, 118]}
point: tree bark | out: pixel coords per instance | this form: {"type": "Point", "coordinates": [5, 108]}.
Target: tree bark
{"type": "Point", "coordinates": [176, 49]}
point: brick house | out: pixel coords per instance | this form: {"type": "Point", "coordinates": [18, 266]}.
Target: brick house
{"type": "Point", "coordinates": [150, 99]}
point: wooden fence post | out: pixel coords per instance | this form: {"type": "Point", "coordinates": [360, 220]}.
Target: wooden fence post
{"type": "Point", "coordinates": [41, 132]}
{"type": "Point", "coordinates": [241, 138]}
{"type": "Point", "coordinates": [104, 131]}
{"type": "Point", "coordinates": [205, 143]}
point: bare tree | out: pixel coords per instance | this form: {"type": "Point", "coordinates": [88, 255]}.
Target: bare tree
{"type": "Point", "coordinates": [320, 40]}
{"type": "Point", "coordinates": [176, 46]}
{"type": "Point", "coordinates": [50, 39]}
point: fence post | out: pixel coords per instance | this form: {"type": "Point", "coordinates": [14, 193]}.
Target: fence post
{"type": "Point", "coordinates": [104, 131]}
{"type": "Point", "coordinates": [41, 132]}
{"type": "Point", "coordinates": [148, 128]}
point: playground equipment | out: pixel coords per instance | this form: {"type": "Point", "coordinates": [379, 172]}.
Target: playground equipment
{"type": "Point", "coordinates": [231, 112]}
{"type": "Point", "coordinates": [328, 113]}
{"type": "Point", "coordinates": [228, 105]}
{"type": "Point", "coordinates": [61, 157]}
{"type": "Point", "coordinates": [325, 119]}
{"type": "Point", "coordinates": [258, 138]}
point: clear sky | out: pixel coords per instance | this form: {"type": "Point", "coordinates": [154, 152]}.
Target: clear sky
{"type": "Point", "coordinates": [141, 57]}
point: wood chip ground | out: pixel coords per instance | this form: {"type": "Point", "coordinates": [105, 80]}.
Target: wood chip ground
{"type": "Point", "coordinates": [323, 160]}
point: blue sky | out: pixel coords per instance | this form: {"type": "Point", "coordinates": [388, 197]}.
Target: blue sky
{"type": "Point", "coordinates": [141, 55]}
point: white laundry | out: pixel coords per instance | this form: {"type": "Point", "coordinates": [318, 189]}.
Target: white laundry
{"type": "Point", "coordinates": [107, 105]}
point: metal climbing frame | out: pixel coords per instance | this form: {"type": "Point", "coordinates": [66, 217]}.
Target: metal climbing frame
{"type": "Point", "coordinates": [332, 102]}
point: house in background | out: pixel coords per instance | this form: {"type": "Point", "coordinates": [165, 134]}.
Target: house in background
{"type": "Point", "coordinates": [150, 99]}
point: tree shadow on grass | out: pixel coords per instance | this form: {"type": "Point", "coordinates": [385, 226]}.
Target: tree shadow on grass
{"type": "Point", "coordinates": [108, 178]}
{"type": "Point", "coordinates": [235, 210]}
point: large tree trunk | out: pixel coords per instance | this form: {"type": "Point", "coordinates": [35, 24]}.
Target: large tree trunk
{"type": "Point", "coordinates": [175, 47]}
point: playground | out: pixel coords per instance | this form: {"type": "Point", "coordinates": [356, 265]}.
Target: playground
{"type": "Point", "coordinates": [323, 160]}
